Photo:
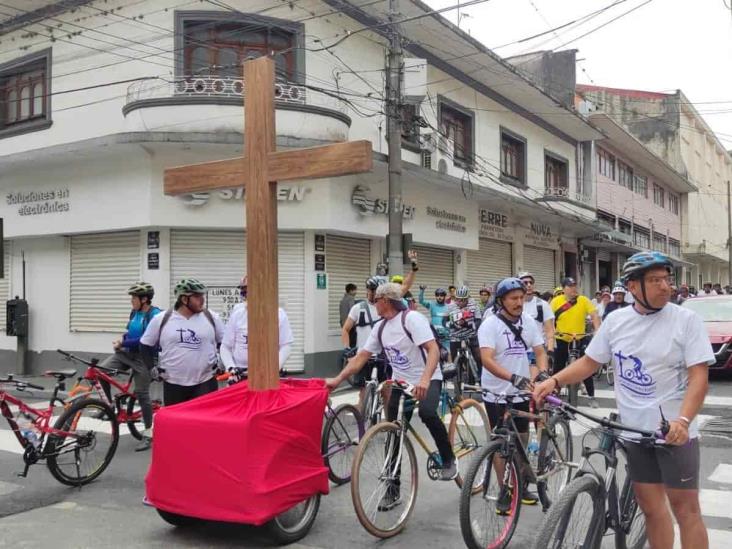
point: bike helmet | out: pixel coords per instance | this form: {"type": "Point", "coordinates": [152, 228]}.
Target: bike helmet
{"type": "Point", "coordinates": [558, 291]}
{"type": "Point", "coordinates": [189, 286]}
{"type": "Point", "coordinates": [526, 274]}
{"type": "Point", "coordinates": [508, 285]}
{"type": "Point", "coordinates": [374, 282]}
{"type": "Point", "coordinates": [397, 279]}
{"type": "Point", "coordinates": [141, 289]}
{"type": "Point", "coordinates": [441, 292]}
{"type": "Point", "coordinates": [618, 289]}
{"type": "Point", "coordinates": [463, 292]}
{"type": "Point", "coordinates": [636, 267]}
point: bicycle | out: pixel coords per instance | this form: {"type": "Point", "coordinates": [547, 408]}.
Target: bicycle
{"type": "Point", "coordinates": [575, 352]}
{"type": "Point", "coordinates": [125, 405]}
{"type": "Point", "coordinates": [596, 493]}
{"type": "Point", "coordinates": [608, 370]}
{"type": "Point", "coordinates": [504, 467]}
{"type": "Point", "coordinates": [80, 432]}
{"type": "Point", "coordinates": [385, 459]}
{"type": "Point", "coordinates": [373, 400]}
{"type": "Point", "coordinates": [466, 369]}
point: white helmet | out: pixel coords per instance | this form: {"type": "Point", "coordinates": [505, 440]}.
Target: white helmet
{"type": "Point", "coordinates": [620, 289]}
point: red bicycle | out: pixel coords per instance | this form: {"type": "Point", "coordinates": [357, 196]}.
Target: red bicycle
{"type": "Point", "coordinates": [82, 441]}
{"type": "Point", "coordinates": [125, 405]}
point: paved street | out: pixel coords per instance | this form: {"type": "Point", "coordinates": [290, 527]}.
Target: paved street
{"type": "Point", "coordinates": [38, 512]}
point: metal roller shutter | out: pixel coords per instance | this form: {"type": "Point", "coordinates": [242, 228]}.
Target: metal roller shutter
{"type": "Point", "coordinates": [218, 259]}
{"type": "Point", "coordinates": [103, 267]}
{"type": "Point", "coordinates": [436, 270]}
{"type": "Point", "coordinates": [5, 283]}
{"type": "Point", "coordinates": [540, 262]}
{"type": "Point", "coordinates": [347, 260]}
{"type": "Point", "coordinates": [488, 264]}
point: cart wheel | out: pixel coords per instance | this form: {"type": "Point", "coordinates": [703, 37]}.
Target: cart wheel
{"type": "Point", "coordinates": [295, 523]}
{"type": "Point", "coordinates": [176, 520]}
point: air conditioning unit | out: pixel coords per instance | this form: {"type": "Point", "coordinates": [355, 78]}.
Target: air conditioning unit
{"type": "Point", "coordinates": [414, 79]}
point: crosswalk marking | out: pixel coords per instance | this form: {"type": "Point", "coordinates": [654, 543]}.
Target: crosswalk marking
{"type": "Point", "coordinates": [722, 474]}
{"type": "Point", "coordinates": [715, 503]}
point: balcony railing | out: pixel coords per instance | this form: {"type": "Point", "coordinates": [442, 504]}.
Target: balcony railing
{"type": "Point", "coordinates": [564, 192]}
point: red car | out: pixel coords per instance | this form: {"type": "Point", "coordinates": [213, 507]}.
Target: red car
{"type": "Point", "coordinates": [716, 311]}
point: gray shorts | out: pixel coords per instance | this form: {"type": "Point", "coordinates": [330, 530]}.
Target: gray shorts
{"type": "Point", "coordinates": [672, 466]}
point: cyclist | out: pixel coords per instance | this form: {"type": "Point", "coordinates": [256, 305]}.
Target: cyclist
{"type": "Point", "coordinates": [438, 313]}
{"type": "Point", "coordinates": [505, 337]}
{"type": "Point", "coordinates": [188, 336]}
{"type": "Point", "coordinates": [407, 341]}
{"type": "Point", "coordinates": [462, 321]}
{"type": "Point", "coordinates": [570, 312]}
{"type": "Point", "coordinates": [235, 344]}
{"type": "Point", "coordinates": [618, 301]}
{"type": "Point", "coordinates": [661, 354]}
{"type": "Point", "coordinates": [127, 355]}
{"type": "Point", "coordinates": [364, 316]}
{"type": "Point", "coordinates": [540, 311]}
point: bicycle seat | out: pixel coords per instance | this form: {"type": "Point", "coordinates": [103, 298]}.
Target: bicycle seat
{"type": "Point", "coordinates": [60, 374]}
{"type": "Point", "coordinates": [449, 371]}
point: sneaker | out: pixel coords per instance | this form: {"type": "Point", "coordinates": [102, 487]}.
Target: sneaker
{"type": "Point", "coordinates": [503, 503]}
{"type": "Point", "coordinates": [582, 390]}
{"type": "Point", "coordinates": [528, 497]}
{"type": "Point", "coordinates": [390, 500]}
{"type": "Point", "coordinates": [146, 441]}
{"type": "Point", "coordinates": [593, 402]}
{"type": "Point", "coordinates": [449, 472]}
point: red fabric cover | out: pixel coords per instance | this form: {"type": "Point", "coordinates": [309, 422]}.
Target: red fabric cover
{"type": "Point", "coordinates": [238, 455]}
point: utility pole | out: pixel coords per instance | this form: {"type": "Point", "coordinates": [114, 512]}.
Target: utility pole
{"type": "Point", "coordinates": [395, 68]}
{"type": "Point", "coordinates": [729, 235]}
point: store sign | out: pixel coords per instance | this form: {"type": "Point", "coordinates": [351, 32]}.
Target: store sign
{"type": "Point", "coordinates": [448, 221]}
{"type": "Point", "coordinates": [222, 299]}
{"type": "Point", "coordinates": [367, 206]}
{"type": "Point", "coordinates": [40, 202]}
{"type": "Point", "coordinates": [495, 225]}
{"type": "Point", "coordinates": [284, 194]}
{"type": "Point", "coordinates": [541, 235]}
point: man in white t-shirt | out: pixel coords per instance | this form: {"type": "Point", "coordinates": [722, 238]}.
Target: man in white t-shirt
{"type": "Point", "coordinates": [505, 338]}
{"type": "Point", "coordinates": [188, 336]}
{"type": "Point", "coordinates": [661, 354]}
{"type": "Point", "coordinates": [407, 341]}
{"type": "Point", "coordinates": [235, 346]}
{"type": "Point", "coordinates": [540, 311]}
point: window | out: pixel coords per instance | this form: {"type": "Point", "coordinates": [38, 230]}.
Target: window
{"type": "Point", "coordinates": [659, 242]}
{"type": "Point", "coordinates": [641, 185]}
{"type": "Point", "coordinates": [625, 227]}
{"type": "Point", "coordinates": [659, 195]}
{"type": "Point", "coordinates": [674, 247]}
{"type": "Point", "coordinates": [408, 119]}
{"type": "Point", "coordinates": [606, 217]}
{"type": "Point", "coordinates": [625, 175]}
{"type": "Point", "coordinates": [606, 163]}
{"type": "Point", "coordinates": [457, 127]}
{"type": "Point", "coordinates": [673, 203]}
{"type": "Point", "coordinates": [25, 100]}
{"type": "Point", "coordinates": [513, 157]}
{"type": "Point", "coordinates": [556, 175]}
{"type": "Point", "coordinates": [217, 45]}
{"type": "Point", "coordinates": [641, 237]}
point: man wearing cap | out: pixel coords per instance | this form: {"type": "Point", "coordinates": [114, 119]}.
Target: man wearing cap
{"type": "Point", "coordinates": [571, 311]}
{"type": "Point", "coordinates": [540, 311]}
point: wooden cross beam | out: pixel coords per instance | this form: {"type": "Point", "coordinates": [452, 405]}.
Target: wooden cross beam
{"type": "Point", "coordinates": [259, 170]}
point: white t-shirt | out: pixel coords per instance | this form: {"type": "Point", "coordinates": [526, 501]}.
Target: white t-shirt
{"type": "Point", "coordinates": [363, 332]}
{"type": "Point", "coordinates": [187, 346]}
{"type": "Point", "coordinates": [531, 309]}
{"type": "Point", "coordinates": [236, 336]}
{"type": "Point", "coordinates": [509, 353]}
{"type": "Point", "coordinates": [403, 354]}
{"type": "Point", "coordinates": [651, 354]}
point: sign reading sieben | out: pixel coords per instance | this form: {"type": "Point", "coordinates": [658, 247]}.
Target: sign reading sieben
{"type": "Point", "coordinates": [284, 194]}
{"type": "Point", "coordinates": [495, 225]}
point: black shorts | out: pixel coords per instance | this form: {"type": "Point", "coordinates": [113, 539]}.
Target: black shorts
{"type": "Point", "coordinates": [383, 372]}
{"type": "Point", "coordinates": [672, 466]}
{"type": "Point", "coordinates": [495, 412]}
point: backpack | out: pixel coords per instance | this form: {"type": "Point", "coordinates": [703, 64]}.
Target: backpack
{"type": "Point", "coordinates": [539, 311]}
{"type": "Point", "coordinates": [361, 317]}
{"type": "Point", "coordinates": [404, 314]}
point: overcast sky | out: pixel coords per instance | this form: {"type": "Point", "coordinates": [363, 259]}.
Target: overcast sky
{"type": "Point", "coordinates": [662, 46]}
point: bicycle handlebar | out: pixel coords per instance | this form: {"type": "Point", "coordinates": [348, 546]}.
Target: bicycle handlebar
{"type": "Point", "coordinates": [93, 362]}
{"type": "Point", "coordinates": [505, 396]}
{"type": "Point", "coordinates": [21, 384]}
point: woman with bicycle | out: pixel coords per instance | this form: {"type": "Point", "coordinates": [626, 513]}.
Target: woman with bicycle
{"type": "Point", "coordinates": [660, 353]}
{"type": "Point", "coordinates": [505, 338]}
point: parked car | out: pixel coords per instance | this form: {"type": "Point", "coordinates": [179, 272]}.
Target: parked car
{"type": "Point", "coordinates": [716, 311]}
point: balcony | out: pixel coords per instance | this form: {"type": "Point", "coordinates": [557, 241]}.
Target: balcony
{"type": "Point", "coordinates": [209, 104]}
{"type": "Point", "coordinates": [564, 194]}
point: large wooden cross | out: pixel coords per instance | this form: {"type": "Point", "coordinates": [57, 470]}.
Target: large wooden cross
{"type": "Point", "coordinates": [259, 169]}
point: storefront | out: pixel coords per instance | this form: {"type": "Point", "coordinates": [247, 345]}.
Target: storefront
{"type": "Point", "coordinates": [541, 245]}
{"type": "Point", "coordinates": [493, 260]}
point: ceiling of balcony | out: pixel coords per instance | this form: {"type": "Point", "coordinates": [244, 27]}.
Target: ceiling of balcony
{"type": "Point", "coordinates": [16, 13]}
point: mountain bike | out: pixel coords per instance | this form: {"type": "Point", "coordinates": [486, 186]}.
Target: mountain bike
{"type": "Point", "coordinates": [467, 370]}
{"type": "Point", "coordinates": [385, 459]}
{"type": "Point", "coordinates": [503, 467]}
{"type": "Point", "coordinates": [81, 443]}
{"type": "Point", "coordinates": [576, 346]}
{"type": "Point", "coordinates": [124, 402]}
{"type": "Point", "coordinates": [591, 504]}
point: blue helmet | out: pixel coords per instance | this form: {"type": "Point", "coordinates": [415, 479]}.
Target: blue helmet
{"type": "Point", "coordinates": [508, 285]}
{"type": "Point", "coordinates": [639, 263]}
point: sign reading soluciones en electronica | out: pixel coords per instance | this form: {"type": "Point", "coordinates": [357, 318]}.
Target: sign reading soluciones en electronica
{"type": "Point", "coordinates": [448, 221]}
{"type": "Point", "coordinates": [40, 202]}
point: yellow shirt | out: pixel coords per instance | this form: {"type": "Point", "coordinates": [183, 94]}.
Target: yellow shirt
{"type": "Point", "coordinates": [572, 321]}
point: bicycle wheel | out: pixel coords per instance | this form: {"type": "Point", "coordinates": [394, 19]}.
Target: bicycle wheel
{"type": "Point", "coordinates": [631, 534]}
{"type": "Point", "coordinates": [610, 373]}
{"type": "Point", "coordinates": [577, 518]}
{"type": "Point", "coordinates": [78, 459]}
{"type": "Point", "coordinates": [341, 433]}
{"type": "Point", "coordinates": [368, 412]}
{"type": "Point", "coordinates": [295, 523]}
{"type": "Point", "coordinates": [134, 415]}
{"type": "Point", "coordinates": [469, 431]}
{"type": "Point", "coordinates": [555, 455]}
{"type": "Point", "coordinates": [460, 378]}
{"type": "Point", "coordinates": [488, 518]}
{"type": "Point", "coordinates": [384, 490]}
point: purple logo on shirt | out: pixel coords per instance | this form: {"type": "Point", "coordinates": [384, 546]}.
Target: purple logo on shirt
{"type": "Point", "coordinates": [396, 358]}
{"type": "Point", "coordinates": [513, 345]}
{"type": "Point", "coordinates": [634, 376]}
{"type": "Point", "coordinates": [189, 339]}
